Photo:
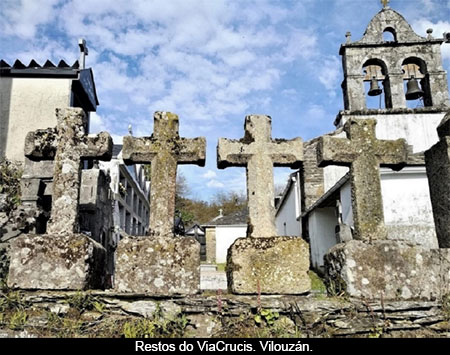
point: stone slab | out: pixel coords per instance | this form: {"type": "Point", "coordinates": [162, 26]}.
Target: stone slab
{"type": "Point", "coordinates": [392, 270]}
{"type": "Point", "coordinates": [274, 265]}
{"type": "Point", "coordinates": [56, 262]}
{"type": "Point", "coordinates": [213, 280]}
{"type": "Point", "coordinates": [158, 265]}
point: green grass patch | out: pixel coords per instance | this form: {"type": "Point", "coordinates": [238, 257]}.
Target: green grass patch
{"type": "Point", "coordinates": [317, 283]}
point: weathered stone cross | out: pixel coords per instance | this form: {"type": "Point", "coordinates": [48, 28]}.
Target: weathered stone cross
{"type": "Point", "coordinates": [364, 153]}
{"type": "Point", "coordinates": [437, 160]}
{"type": "Point", "coordinates": [67, 145]}
{"type": "Point", "coordinates": [164, 150]}
{"type": "Point", "coordinates": [258, 152]}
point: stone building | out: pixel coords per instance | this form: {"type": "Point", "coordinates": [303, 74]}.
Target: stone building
{"type": "Point", "coordinates": [395, 76]}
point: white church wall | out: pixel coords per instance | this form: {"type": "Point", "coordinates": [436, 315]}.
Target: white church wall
{"type": "Point", "coordinates": [419, 130]}
{"type": "Point", "coordinates": [321, 226]}
{"type": "Point", "coordinates": [407, 206]}
{"type": "Point", "coordinates": [225, 236]}
{"type": "Point", "coordinates": [286, 218]}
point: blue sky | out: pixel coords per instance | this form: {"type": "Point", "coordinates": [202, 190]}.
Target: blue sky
{"type": "Point", "coordinates": [211, 62]}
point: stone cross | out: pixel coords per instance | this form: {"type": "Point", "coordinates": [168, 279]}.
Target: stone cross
{"type": "Point", "coordinates": [164, 150]}
{"type": "Point", "coordinates": [67, 145]}
{"type": "Point", "coordinates": [364, 154]}
{"type": "Point", "coordinates": [258, 152]}
{"type": "Point", "coordinates": [437, 160]}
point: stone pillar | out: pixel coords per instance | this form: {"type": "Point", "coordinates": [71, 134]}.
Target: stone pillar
{"type": "Point", "coordinates": [210, 233]}
{"type": "Point", "coordinates": [397, 90]}
{"type": "Point", "coordinates": [355, 92]}
{"type": "Point", "coordinates": [437, 160]}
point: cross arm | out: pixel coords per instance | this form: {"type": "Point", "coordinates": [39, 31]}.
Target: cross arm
{"type": "Point", "coordinates": [192, 151]}
{"type": "Point", "coordinates": [392, 153]}
{"type": "Point", "coordinates": [231, 152]}
{"type": "Point", "coordinates": [288, 153]}
{"type": "Point", "coordinates": [98, 146]}
{"type": "Point", "coordinates": [41, 144]}
{"type": "Point", "coordinates": [335, 151]}
{"type": "Point", "coordinates": [139, 149]}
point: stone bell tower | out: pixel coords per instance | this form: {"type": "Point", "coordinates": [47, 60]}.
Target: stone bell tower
{"type": "Point", "coordinates": [396, 76]}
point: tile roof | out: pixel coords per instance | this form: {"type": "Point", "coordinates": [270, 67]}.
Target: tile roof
{"type": "Point", "coordinates": [35, 65]}
{"type": "Point", "coordinates": [238, 217]}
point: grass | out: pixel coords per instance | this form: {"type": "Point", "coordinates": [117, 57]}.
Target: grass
{"type": "Point", "coordinates": [317, 283]}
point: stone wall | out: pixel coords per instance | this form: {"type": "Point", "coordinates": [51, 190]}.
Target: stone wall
{"type": "Point", "coordinates": [312, 184]}
{"type": "Point", "coordinates": [104, 314]}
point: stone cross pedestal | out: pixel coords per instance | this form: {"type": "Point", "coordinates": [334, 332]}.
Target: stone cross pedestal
{"type": "Point", "coordinates": [161, 264]}
{"type": "Point", "coordinates": [263, 262]}
{"type": "Point", "coordinates": [364, 154]}
{"type": "Point", "coordinates": [437, 160]}
{"type": "Point", "coordinates": [62, 258]}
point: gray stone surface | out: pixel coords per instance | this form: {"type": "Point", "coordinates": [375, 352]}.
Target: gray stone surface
{"type": "Point", "coordinates": [438, 171]}
{"type": "Point", "coordinates": [56, 262]}
{"type": "Point", "coordinates": [364, 153]}
{"type": "Point", "coordinates": [158, 265]}
{"type": "Point", "coordinates": [164, 150]}
{"type": "Point", "coordinates": [274, 265]}
{"type": "Point", "coordinates": [3, 202]}
{"type": "Point", "coordinates": [388, 270]}
{"type": "Point", "coordinates": [259, 153]}
{"type": "Point", "coordinates": [212, 279]}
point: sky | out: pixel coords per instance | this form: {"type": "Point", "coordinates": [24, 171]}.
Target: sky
{"type": "Point", "coordinates": [211, 62]}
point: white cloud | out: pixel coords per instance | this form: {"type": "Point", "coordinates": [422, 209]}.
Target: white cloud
{"type": "Point", "coordinates": [214, 183]}
{"type": "Point", "coordinates": [209, 175]}
{"type": "Point", "coordinates": [329, 73]}
{"type": "Point", "coordinates": [21, 18]}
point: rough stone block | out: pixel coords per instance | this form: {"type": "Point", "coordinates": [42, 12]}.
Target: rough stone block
{"type": "Point", "coordinates": [56, 262]}
{"type": "Point", "coordinates": [387, 269]}
{"type": "Point", "coordinates": [278, 264]}
{"type": "Point", "coordinates": [158, 265]}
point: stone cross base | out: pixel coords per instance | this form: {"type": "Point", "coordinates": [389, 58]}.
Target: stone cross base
{"type": "Point", "coordinates": [56, 262]}
{"type": "Point", "coordinates": [274, 265]}
{"type": "Point", "coordinates": [392, 270]}
{"type": "Point", "coordinates": [158, 265]}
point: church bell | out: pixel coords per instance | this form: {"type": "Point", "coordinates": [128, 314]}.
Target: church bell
{"type": "Point", "coordinates": [375, 90]}
{"type": "Point", "coordinates": [413, 91]}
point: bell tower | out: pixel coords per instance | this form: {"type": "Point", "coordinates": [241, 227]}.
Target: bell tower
{"type": "Point", "coordinates": [396, 76]}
